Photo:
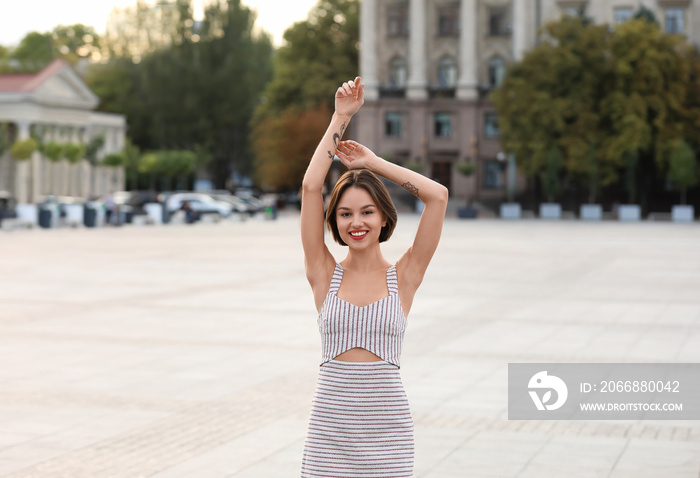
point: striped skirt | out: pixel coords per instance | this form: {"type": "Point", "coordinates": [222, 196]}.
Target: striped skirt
{"type": "Point", "coordinates": [361, 425]}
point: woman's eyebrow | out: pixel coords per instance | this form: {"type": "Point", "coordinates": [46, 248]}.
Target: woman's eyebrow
{"type": "Point", "coordinates": [363, 207]}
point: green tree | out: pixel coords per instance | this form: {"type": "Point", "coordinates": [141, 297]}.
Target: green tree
{"type": "Point", "coordinates": [613, 101]}
{"type": "Point", "coordinates": [35, 51]}
{"type": "Point", "coordinates": [216, 70]}
{"type": "Point", "coordinates": [73, 42]}
{"type": "Point", "coordinates": [320, 53]}
{"type": "Point", "coordinates": [645, 106]}
{"type": "Point", "coordinates": [683, 168]}
{"type": "Point", "coordinates": [553, 121]}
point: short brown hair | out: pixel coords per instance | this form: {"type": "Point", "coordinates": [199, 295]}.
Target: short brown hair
{"type": "Point", "coordinates": [367, 180]}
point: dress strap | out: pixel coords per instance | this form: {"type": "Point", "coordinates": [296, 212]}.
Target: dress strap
{"type": "Point", "coordinates": [337, 277]}
{"type": "Point", "coordinates": [392, 281]}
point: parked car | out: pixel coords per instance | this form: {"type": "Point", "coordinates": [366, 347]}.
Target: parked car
{"type": "Point", "coordinates": [135, 199]}
{"type": "Point", "coordinates": [238, 204]}
{"type": "Point", "coordinates": [200, 203]}
{"type": "Point", "coordinates": [243, 202]}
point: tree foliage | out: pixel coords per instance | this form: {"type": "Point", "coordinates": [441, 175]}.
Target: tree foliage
{"type": "Point", "coordinates": [320, 53]}
{"type": "Point", "coordinates": [36, 50]}
{"type": "Point", "coordinates": [22, 149]}
{"type": "Point", "coordinates": [284, 145]}
{"type": "Point", "coordinates": [188, 85]}
{"type": "Point", "coordinates": [683, 168]}
{"type": "Point", "coordinates": [613, 103]}
{"type": "Point", "coordinates": [73, 152]}
{"type": "Point", "coordinates": [53, 151]}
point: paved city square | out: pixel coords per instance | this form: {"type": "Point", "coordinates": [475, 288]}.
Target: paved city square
{"type": "Point", "coordinates": [192, 351]}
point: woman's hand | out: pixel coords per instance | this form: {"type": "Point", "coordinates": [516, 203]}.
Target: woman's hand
{"type": "Point", "coordinates": [355, 156]}
{"type": "Point", "coordinates": [350, 97]}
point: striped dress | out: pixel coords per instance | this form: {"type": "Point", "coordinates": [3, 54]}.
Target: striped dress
{"type": "Point", "coordinates": [360, 425]}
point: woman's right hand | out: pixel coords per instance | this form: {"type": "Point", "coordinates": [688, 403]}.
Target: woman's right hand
{"type": "Point", "coordinates": [350, 97]}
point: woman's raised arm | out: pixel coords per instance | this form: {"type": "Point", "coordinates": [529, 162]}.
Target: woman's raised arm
{"type": "Point", "coordinates": [318, 261]}
{"type": "Point", "coordinates": [414, 262]}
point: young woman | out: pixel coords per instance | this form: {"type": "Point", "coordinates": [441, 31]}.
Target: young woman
{"type": "Point", "coordinates": [360, 422]}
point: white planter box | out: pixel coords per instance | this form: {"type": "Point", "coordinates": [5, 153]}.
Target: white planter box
{"type": "Point", "coordinates": [28, 213]}
{"type": "Point", "coordinates": [591, 212]}
{"type": "Point", "coordinates": [630, 212]}
{"type": "Point", "coordinates": [511, 210]}
{"type": "Point", "coordinates": [154, 211]}
{"type": "Point", "coordinates": [74, 214]}
{"type": "Point", "coordinates": [683, 213]}
{"type": "Point", "coordinates": [550, 210]}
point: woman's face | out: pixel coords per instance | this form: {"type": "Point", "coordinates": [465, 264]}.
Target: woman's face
{"type": "Point", "coordinates": [359, 220]}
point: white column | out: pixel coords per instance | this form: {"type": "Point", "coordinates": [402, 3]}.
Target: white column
{"type": "Point", "coordinates": [417, 66]}
{"type": "Point", "coordinates": [520, 28]}
{"type": "Point", "coordinates": [467, 86]}
{"type": "Point", "coordinates": [22, 176]}
{"type": "Point", "coordinates": [368, 48]}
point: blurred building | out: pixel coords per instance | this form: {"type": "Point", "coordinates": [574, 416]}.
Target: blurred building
{"type": "Point", "coordinates": [429, 66]}
{"type": "Point", "coordinates": [56, 105]}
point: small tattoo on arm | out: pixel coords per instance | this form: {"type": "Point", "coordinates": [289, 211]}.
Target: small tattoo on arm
{"type": "Point", "coordinates": [411, 189]}
{"type": "Point", "coordinates": [336, 140]}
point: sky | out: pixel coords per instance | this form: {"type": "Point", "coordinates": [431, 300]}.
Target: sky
{"type": "Point", "coordinates": [274, 16]}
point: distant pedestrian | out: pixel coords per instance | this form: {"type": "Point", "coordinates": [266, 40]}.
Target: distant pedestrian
{"type": "Point", "coordinates": [110, 206]}
{"type": "Point", "coordinates": [190, 215]}
{"type": "Point", "coordinates": [361, 424]}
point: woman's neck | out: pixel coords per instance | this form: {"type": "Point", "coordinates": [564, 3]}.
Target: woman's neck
{"type": "Point", "coordinates": [365, 260]}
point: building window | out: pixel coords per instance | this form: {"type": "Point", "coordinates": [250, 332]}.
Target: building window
{"type": "Point", "coordinates": [447, 72]}
{"type": "Point", "coordinates": [393, 123]}
{"type": "Point", "coordinates": [493, 175]}
{"type": "Point", "coordinates": [498, 22]}
{"type": "Point", "coordinates": [443, 125]}
{"type": "Point", "coordinates": [674, 20]}
{"type": "Point", "coordinates": [398, 72]}
{"type": "Point", "coordinates": [571, 11]}
{"type": "Point", "coordinates": [448, 21]}
{"type": "Point", "coordinates": [491, 125]}
{"type": "Point", "coordinates": [497, 71]}
{"type": "Point", "coordinates": [398, 21]}
{"type": "Point", "coordinates": [622, 14]}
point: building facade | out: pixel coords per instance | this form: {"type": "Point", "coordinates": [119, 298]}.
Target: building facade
{"type": "Point", "coordinates": [429, 65]}
{"type": "Point", "coordinates": [56, 105]}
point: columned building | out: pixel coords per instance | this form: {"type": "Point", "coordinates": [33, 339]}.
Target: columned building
{"type": "Point", "coordinates": [54, 105]}
{"type": "Point", "coordinates": [429, 65]}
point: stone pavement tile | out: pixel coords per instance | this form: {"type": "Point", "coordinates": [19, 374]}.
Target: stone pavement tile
{"type": "Point", "coordinates": [653, 458]}
{"type": "Point", "coordinates": [260, 451]}
{"type": "Point", "coordinates": [282, 463]}
{"type": "Point", "coordinates": [597, 453]}
{"type": "Point", "coordinates": [435, 444]}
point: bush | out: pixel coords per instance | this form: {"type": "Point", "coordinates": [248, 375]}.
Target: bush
{"type": "Point", "coordinates": [22, 149]}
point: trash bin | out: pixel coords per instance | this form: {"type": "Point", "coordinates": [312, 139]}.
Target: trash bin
{"type": "Point", "coordinates": [271, 212]}
{"type": "Point", "coordinates": [90, 217]}
{"type": "Point", "coordinates": [45, 214]}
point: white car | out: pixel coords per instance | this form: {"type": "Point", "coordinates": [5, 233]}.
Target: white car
{"type": "Point", "coordinates": [200, 203]}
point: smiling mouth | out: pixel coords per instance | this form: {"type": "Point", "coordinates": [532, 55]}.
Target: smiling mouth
{"type": "Point", "coordinates": [358, 233]}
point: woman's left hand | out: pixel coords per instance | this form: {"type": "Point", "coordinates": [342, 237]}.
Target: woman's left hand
{"type": "Point", "coordinates": [355, 156]}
